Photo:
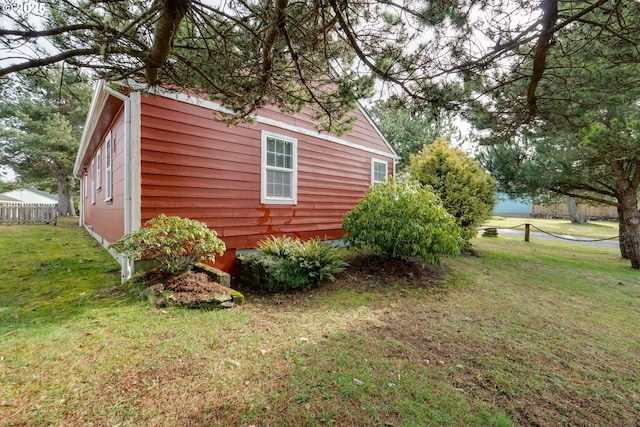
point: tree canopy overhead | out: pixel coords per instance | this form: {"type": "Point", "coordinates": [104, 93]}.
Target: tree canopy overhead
{"type": "Point", "coordinates": [248, 53]}
{"type": "Point", "coordinates": [589, 64]}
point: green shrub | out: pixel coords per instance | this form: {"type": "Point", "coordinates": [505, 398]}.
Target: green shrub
{"type": "Point", "coordinates": [281, 247]}
{"type": "Point", "coordinates": [467, 191]}
{"type": "Point", "coordinates": [283, 263]}
{"type": "Point", "coordinates": [400, 219]}
{"type": "Point", "coordinates": [175, 243]}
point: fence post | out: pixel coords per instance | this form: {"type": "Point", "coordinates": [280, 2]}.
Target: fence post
{"type": "Point", "coordinates": [526, 232]}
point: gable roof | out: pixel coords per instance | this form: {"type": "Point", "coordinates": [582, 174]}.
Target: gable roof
{"type": "Point", "coordinates": [5, 198]}
{"type": "Point", "coordinates": [30, 195]}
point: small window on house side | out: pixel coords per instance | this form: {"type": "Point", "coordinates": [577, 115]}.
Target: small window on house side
{"type": "Point", "coordinates": [99, 170]}
{"type": "Point", "coordinates": [279, 169]}
{"type": "Point", "coordinates": [108, 175]}
{"type": "Point", "coordinates": [378, 171]}
{"type": "Point", "coordinates": [92, 172]}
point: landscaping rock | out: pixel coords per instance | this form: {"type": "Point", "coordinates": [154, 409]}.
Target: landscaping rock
{"type": "Point", "coordinates": [220, 298]}
{"type": "Point", "coordinates": [190, 290]}
{"type": "Point", "coordinates": [490, 232]}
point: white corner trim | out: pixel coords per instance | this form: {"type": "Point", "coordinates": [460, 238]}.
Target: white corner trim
{"type": "Point", "coordinates": [132, 165]}
{"type": "Point", "coordinates": [210, 105]}
{"type": "Point", "coordinates": [126, 264]}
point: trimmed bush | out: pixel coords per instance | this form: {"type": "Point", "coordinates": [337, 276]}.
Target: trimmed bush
{"type": "Point", "coordinates": [401, 219]}
{"type": "Point", "coordinates": [283, 263]}
{"type": "Point", "coordinates": [175, 243]}
{"type": "Point", "coordinates": [467, 191]}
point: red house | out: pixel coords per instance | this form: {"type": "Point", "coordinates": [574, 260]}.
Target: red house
{"type": "Point", "coordinates": [146, 154]}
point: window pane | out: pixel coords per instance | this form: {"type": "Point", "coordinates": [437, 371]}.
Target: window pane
{"type": "Point", "coordinates": [279, 153]}
{"type": "Point", "coordinates": [278, 184]}
{"type": "Point", "coordinates": [379, 171]}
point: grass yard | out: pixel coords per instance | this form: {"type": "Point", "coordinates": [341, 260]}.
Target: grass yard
{"type": "Point", "coordinates": [592, 229]}
{"type": "Point", "coordinates": [536, 333]}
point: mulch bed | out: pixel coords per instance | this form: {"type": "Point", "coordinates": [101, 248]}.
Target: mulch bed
{"type": "Point", "coordinates": [373, 271]}
{"type": "Point", "coordinates": [186, 288]}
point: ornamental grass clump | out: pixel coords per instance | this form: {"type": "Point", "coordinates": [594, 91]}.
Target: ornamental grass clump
{"type": "Point", "coordinates": [400, 219]}
{"type": "Point", "coordinates": [176, 244]}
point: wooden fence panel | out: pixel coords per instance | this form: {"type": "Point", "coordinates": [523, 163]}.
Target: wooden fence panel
{"type": "Point", "coordinates": [28, 213]}
{"type": "Point", "coordinates": [561, 210]}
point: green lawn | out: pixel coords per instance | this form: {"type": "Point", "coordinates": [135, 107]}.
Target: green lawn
{"type": "Point", "coordinates": [539, 333]}
{"type": "Point", "coordinates": [592, 229]}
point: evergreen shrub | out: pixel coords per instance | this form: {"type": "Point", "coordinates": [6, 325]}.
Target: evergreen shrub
{"type": "Point", "coordinates": [400, 219]}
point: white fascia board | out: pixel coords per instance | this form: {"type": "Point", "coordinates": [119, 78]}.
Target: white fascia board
{"type": "Point", "coordinates": [375, 127]}
{"type": "Point", "coordinates": [193, 100]}
{"type": "Point", "coordinates": [98, 101]}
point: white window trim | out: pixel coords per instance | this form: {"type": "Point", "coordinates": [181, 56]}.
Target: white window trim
{"type": "Point", "coordinates": [108, 169]}
{"type": "Point", "coordinates": [375, 161]}
{"type": "Point", "coordinates": [99, 169]}
{"type": "Point", "coordinates": [264, 199]}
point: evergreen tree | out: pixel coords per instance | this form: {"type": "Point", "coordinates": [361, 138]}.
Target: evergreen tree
{"type": "Point", "coordinates": [324, 53]}
{"type": "Point", "coordinates": [408, 129]}
{"type": "Point", "coordinates": [42, 115]}
{"type": "Point", "coordinates": [585, 141]}
{"type": "Point", "coordinates": [467, 191]}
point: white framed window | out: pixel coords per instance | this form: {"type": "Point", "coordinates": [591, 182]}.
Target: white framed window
{"type": "Point", "coordinates": [99, 169]}
{"type": "Point", "coordinates": [85, 184]}
{"type": "Point", "coordinates": [108, 169]}
{"type": "Point", "coordinates": [379, 170]}
{"type": "Point", "coordinates": [92, 173]}
{"type": "Point", "coordinates": [279, 169]}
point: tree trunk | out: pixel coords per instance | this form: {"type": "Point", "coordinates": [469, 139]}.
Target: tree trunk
{"type": "Point", "coordinates": [72, 208]}
{"type": "Point", "coordinates": [631, 220]}
{"type": "Point", "coordinates": [574, 216]}
{"type": "Point", "coordinates": [63, 195]}
{"type": "Point", "coordinates": [622, 232]}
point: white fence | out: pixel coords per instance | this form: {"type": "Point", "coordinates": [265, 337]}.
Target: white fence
{"type": "Point", "coordinates": [28, 213]}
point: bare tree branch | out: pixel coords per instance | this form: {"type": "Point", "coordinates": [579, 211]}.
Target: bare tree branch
{"type": "Point", "coordinates": [539, 59]}
{"type": "Point", "coordinates": [40, 62]}
{"type": "Point", "coordinates": [171, 14]}
{"type": "Point", "coordinates": [29, 34]}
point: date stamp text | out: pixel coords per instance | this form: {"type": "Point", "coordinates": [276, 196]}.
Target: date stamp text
{"type": "Point", "coordinates": [30, 7]}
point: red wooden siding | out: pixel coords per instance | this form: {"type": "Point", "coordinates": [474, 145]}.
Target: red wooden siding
{"type": "Point", "coordinates": [196, 167]}
{"type": "Point", "coordinates": [107, 218]}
